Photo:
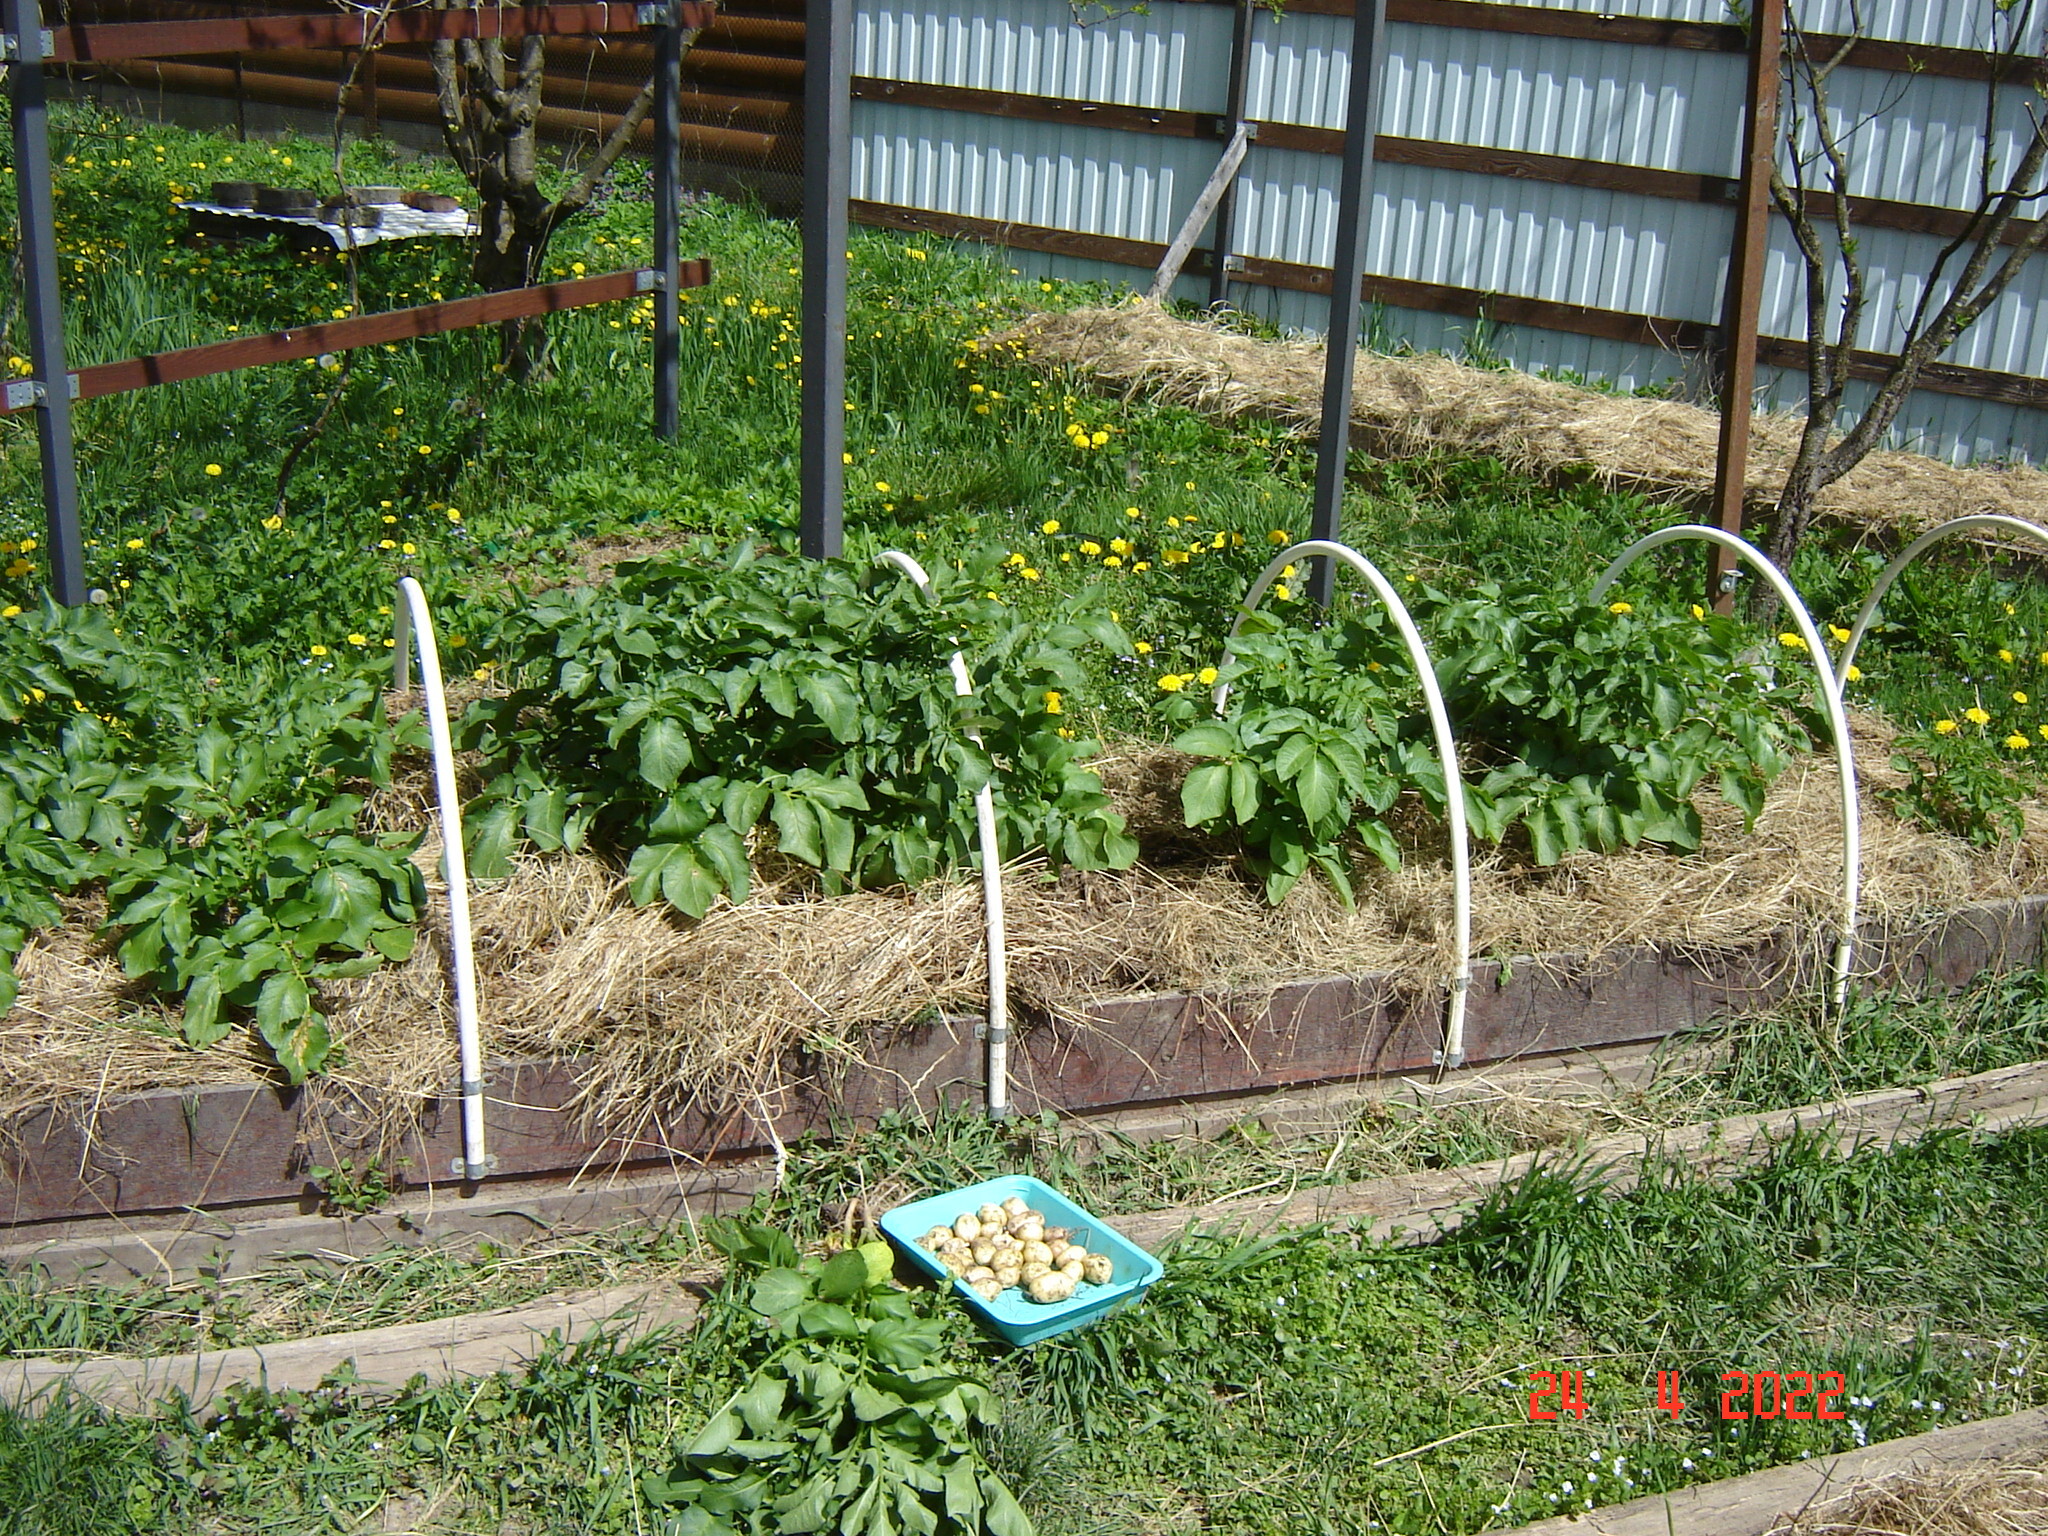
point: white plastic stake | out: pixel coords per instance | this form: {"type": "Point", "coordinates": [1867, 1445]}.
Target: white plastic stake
{"type": "Point", "coordinates": [1446, 751]}
{"type": "Point", "coordinates": [991, 879]}
{"type": "Point", "coordinates": [1831, 701]}
{"type": "Point", "coordinates": [412, 620]}
{"type": "Point", "coordinates": [1910, 553]}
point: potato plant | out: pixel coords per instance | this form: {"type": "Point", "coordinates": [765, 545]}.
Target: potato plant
{"type": "Point", "coordinates": [693, 712]}
{"type": "Point", "coordinates": [1585, 726]}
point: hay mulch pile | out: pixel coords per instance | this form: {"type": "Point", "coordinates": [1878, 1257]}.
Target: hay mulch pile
{"type": "Point", "coordinates": [1999, 1501]}
{"type": "Point", "coordinates": [666, 1009]}
{"type": "Point", "coordinates": [1405, 405]}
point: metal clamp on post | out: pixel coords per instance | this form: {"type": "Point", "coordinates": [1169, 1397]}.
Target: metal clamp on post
{"type": "Point", "coordinates": [22, 393]}
{"type": "Point", "coordinates": [663, 13]}
{"type": "Point", "coordinates": [12, 52]}
{"type": "Point", "coordinates": [648, 279]}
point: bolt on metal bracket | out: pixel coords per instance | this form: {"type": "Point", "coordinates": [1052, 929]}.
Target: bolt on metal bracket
{"type": "Point", "coordinates": [655, 15]}
{"type": "Point", "coordinates": [646, 278]}
{"type": "Point", "coordinates": [19, 394]}
{"type": "Point", "coordinates": [11, 50]}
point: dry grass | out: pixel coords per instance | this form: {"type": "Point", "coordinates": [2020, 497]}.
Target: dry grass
{"type": "Point", "coordinates": [1403, 405]}
{"type": "Point", "coordinates": [2000, 1501]}
{"type": "Point", "coordinates": [666, 1010]}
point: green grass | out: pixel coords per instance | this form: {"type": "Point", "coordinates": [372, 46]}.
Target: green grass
{"type": "Point", "coordinates": [1743, 1065]}
{"type": "Point", "coordinates": [972, 442]}
{"type": "Point", "coordinates": [1304, 1383]}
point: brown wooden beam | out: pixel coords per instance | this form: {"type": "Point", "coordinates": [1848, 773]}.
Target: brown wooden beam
{"type": "Point", "coordinates": [366, 331]}
{"type": "Point", "coordinates": [350, 29]}
{"type": "Point", "coordinates": [1439, 298]}
{"type": "Point", "coordinates": [1744, 294]}
{"type": "Point", "coordinates": [1942, 378]}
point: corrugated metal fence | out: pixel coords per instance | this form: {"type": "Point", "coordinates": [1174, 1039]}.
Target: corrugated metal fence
{"type": "Point", "coordinates": [1554, 189]}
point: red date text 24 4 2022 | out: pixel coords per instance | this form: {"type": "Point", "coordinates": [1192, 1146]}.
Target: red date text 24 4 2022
{"type": "Point", "coordinates": [1752, 1395]}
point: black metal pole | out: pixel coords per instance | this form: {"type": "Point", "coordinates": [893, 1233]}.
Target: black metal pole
{"type": "Point", "coordinates": [43, 306]}
{"type": "Point", "coordinates": [668, 192]}
{"type": "Point", "coordinates": [1354, 210]}
{"type": "Point", "coordinates": [828, 180]}
{"type": "Point", "coordinates": [1233, 114]}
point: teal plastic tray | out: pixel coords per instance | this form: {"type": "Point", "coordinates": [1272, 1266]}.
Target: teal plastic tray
{"type": "Point", "coordinates": [1012, 1315]}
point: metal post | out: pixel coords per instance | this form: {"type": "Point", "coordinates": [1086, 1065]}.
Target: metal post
{"type": "Point", "coordinates": [668, 192]}
{"type": "Point", "coordinates": [1744, 291]}
{"type": "Point", "coordinates": [42, 303]}
{"type": "Point", "coordinates": [1347, 277]}
{"type": "Point", "coordinates": [1233, 114]}
{"type": "Point", "coordinates": [828, 180]}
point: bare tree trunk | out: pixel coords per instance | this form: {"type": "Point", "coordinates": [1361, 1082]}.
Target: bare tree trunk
{"type": "Point", "coordinates": [489, 120]}
{"type": "Point", "coordinates": [1967, 276]}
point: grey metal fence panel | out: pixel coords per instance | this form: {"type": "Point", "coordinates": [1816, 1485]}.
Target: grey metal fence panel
{"type": "Point", "coordinates": [1675, 109]}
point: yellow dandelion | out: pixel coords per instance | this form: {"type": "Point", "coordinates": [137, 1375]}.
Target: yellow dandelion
{"type": "Point", "coordinates": [1944, 727]}
{"type": "Point", "coordinates": [1279, 537]}
{"type": "Point", "coordinates": [214, 469]}
{"type": "Point", "coordinates": [882, 486]}
{"type": "Point", "coordinates": [273, 522]}
{"type": "Point", "coordinates": [1172, 682]}
{"type": "Point", "coordinates": [1207, 676]}
{"type": "Point", "coordinates": [1854, 674]}
{"type": "Point", "coordinates": [2005, 655]}
{"type": "Point", "coordinates": [1143, 647]}
{"type": "Point", "coordinates": [1621, 607]}
{"type": "Point", "coordinates": [1112, 561]}
{"type": "Point", "coordinates": [2017, 742]}
{"type": "Point", "coordinates": [10, 611]}
{"type": "Point", "coordinates": [1090, 547]}
{"type": "Point", "coordinates": [1838, 634]}
{"type": "Point", "coordinates": [358, 639]}
{"type": "Point", "coordinates": [1050, 525]}
{"type": "Point", "coordinates": [1051, 700]}
{"type": "Point", "coordinates": [1280, 590]}
{"type": "Point", "coordinates": [135, 543]}
{"type": "Point", "coordinates": [1698, 612]}
{"type": "Point", "coordinates": [2019, 698]}
{"type": "Point", "coordinates": [1976, 716]}
{"type": "Point", "coordinates": [319, 650]}
{"type": "Point", "coordinates": [1791, 641]}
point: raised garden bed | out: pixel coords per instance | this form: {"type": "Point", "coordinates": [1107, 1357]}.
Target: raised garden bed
{"type": "Point", "coordinates": [221, 1147]}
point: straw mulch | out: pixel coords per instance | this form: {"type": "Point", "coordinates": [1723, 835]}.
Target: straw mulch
{"type": "Point", "coordinates": [667, 1010]}
{"type": "Point", "coordinates": [1404, 405]}
{"type": "Point", "coordinates": [1991, 1501]}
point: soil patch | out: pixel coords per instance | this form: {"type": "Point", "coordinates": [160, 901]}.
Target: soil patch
{"type": "Point", "coordinates": [1404, 405]}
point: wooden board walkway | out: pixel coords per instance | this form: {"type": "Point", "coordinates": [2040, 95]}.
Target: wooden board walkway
{"type": "Point", "coordinates": [1414, 1207]}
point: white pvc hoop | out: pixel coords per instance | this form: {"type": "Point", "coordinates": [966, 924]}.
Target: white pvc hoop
{"type": "Point", "coordinates": [1831, 700]}
{"type": "Point", "coordinates": [1912, 552]}
{"type": "Point", "coordinates": [1446, 750]}
{"type": "Point", "coordinates": [413, 620]}
{"type": "Point", "coordinates": [998, 1101]}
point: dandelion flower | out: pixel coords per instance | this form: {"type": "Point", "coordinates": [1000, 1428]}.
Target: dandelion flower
{"type": "Point", "coordinates": [1944, 727]}
{"type": "Point", "coordinates": [214, 469]}
{"type": "Point", "coordinates": [2005, 655]}
{"type": "Point", "coordinates": [135, 543]}
{"type": "Point", "coordinates": [1621, 607]}
{"type": "Point", "coordinates": [1052, 703]}
{"type": "Point", "coordinates": [1280, 590]}
{"type": "Point", "coordinates": [318, 650]}
{"type": "Point", "coordinates": [1791, 641]}
{"type": "Point", "coordinates": [1090, 547]}
{"type": "Point", "coordinates": [1050, 525]}
{"type": "Point", "coordinates": [358, 639]}
{"type": "Point", "coordinates": [1112, 561]}
{"type": "Point", "coordinates": [1279, 537]}
{"type": "Point", "coordinates": [2017, 742]}
{"type": "Point", "coordinates": [273, 522]}
{"type": "Point", "coordinates": [1172, 682]}
{"type": "Point", "coordinates": [1698, 612]}
{"type": "Point", "coordinates": [1854, 674]}
{"type": "Point", "coordinates": [1840, 635]}
{"type": "Point", "coordinates": [2019, 698]}
{"type": "Point", "coordinates": [10, 611]}
{"type": "Point", "coordinates": [1207, 676]}
{"type": "Point", "coordinates": [1143, 647]}
{"type": "Point", "coordinates": [1976, 715]}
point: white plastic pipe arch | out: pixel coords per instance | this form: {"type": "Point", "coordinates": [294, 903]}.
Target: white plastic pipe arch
{"type": "Point", "coordinates": [991, 879]}
{"type": "Point", "coordinates": [1831, 702]}
{"type": "Point", "coordinates": [1912, 552]}
{"type": "Point", "coordinates": [1446, 751]}
{"type": "Point", "coordinates": [413, 622]}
